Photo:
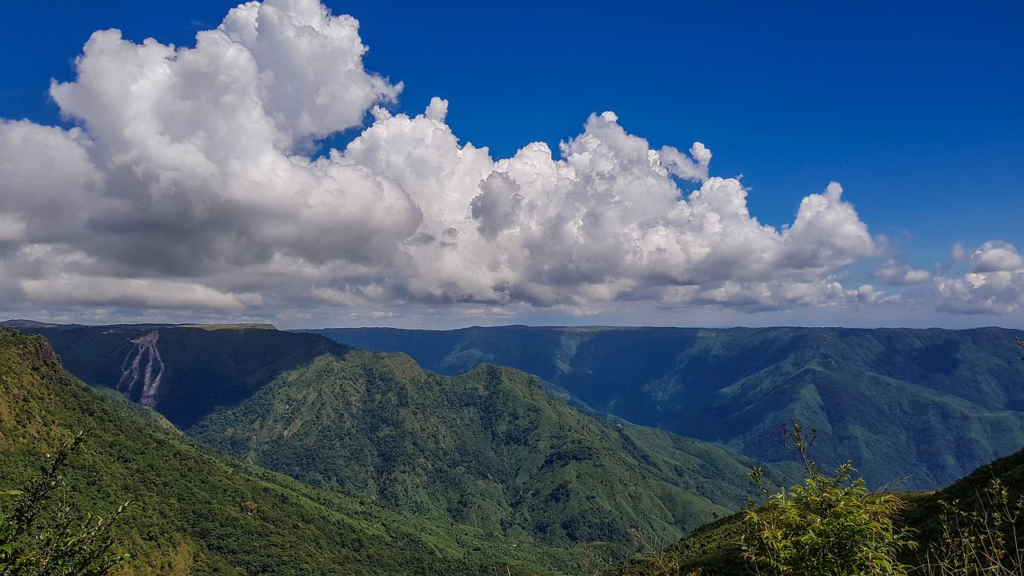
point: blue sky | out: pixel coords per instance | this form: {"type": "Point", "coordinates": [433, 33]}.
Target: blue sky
{"type": "Point", "coordinates": [914, 108]}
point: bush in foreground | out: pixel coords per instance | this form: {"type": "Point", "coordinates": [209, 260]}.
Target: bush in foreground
{"type": "Point", "coordinates": [828, 526]}
{"type": "Point", "coordinates": [40, 537]}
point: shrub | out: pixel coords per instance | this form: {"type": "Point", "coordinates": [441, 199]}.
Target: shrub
{"type": "Point", "coordinates": [828, 526]}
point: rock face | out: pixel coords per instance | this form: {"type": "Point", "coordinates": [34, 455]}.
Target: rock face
{"type": "Point", "coordinates": [918, 408]}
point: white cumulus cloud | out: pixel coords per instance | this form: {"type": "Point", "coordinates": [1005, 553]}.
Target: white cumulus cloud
{"type": "Point", "coordinates": [996, 257]}
{"type": "Point", "coordinates": [995, 284]}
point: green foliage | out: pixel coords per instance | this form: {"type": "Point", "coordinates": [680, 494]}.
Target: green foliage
{"type": "Point", "coordinates": [828, 526]}
{"type": "Point", "coordinates": [984, 536]}
{"type": "Point", "coordinates": [973, 527]}
{"type": "Point", "coordinates": [63, 545]}
{"type": "Point", "coordinates": [416, 473]}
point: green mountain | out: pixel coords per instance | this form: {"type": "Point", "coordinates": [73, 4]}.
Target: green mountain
{"type": "Point", "coordinates": [489, 450]}
{"type": "Point", "coordinates": [194, 512]}
{"type": "Point", "coordinates": [917, 408]}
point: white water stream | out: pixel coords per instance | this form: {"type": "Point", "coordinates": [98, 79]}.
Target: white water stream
{"type": "Point", "coordinates": [143, 366]}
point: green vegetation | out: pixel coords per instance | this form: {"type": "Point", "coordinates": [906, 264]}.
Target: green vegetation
{"type": "Point", "coordinates": [827, 526]}
{"type": "Point", "coordinates": [914, 408]}
{"type": "Point", "coordinates": [716, 549]}
{"type": "Point", "coordinates": [395, 470]}
{"type": "Point", "coordinates": [66, 545]}
{"type": "Point", "coordinates": [489, 449]}
{"type": "Point", "coordinates": [973, 527]}
{"type": "Point", "coordinates": [193, 512]}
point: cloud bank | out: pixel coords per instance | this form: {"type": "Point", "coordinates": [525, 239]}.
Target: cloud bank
{"type": "Point", "coordinates": [191, 184]}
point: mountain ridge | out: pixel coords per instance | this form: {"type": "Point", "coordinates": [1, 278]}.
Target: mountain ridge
{"type": "Point", "coordinates": [490, 449]}
{"type": "Point", "coordinates": [887, 398]}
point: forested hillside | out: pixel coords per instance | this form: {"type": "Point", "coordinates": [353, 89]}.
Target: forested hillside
{"type": "Point", "coordinates": [916, 408]}
{"type": "Point", "coordinates": [193, 512]}
{"type": "Point", "coordinates": [393, 469]}
{"type": "Point", "coordinates": [490, 450]}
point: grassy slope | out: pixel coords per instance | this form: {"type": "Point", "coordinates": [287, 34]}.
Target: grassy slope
{"type": "Point", "coordinates": [916, 407]}
{"type": "Point", "coordinates": [186, 514]}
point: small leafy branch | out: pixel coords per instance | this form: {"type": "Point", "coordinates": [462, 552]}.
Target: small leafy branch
{"type": "Point", "coordinates": [62, 546]}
